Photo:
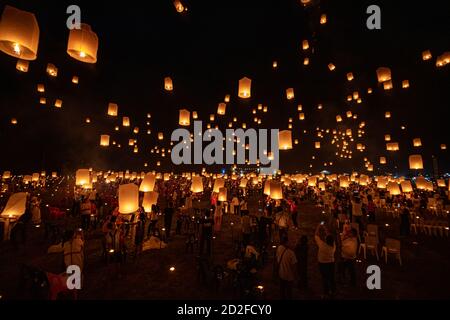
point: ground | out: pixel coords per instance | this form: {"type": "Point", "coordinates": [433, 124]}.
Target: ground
{"type": "Point", "coordinates": [424, 274]}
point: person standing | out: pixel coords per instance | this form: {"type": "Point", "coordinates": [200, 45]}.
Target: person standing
{"type": "Point", "coordinates": [325, 258]}
{"type": "Point", "coordinates": [349, 247]}
{"type": "Point", "coordinates": [287, 268]}
{"type": "Point", "coordinates": [206, 233]}
{"type": "Point", "coordinates": [168, 214]}
{"type": "Point", "coordinates": [235, 205]}
{"type": "Point", "coordinates": [301, 252]}
{"type": "Point", "coordinates": [85, 209]}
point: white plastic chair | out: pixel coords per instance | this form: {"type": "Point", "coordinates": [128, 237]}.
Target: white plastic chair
{"type": "Point", "coordinates": [370, 243]}
{"type": "Point", "coordinates": [392, 246]}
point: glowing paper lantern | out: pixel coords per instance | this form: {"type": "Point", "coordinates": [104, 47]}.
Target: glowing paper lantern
{"type": "Point", "coordinates": [382, 160]}
{"type": "Point", "coordinates": [243, 183]}
{"type": "Point", "coordinates": [443, 146]}
{"type": "Point", "coordinates": [125, 121]}
{"type": "Point", "coordinates": [417, 142]}
{"type": "Point", "coordinates": [312, 181]}
{"type": "Point", "coordinates": [415, 162]}
{"type": "Point", "coordinates": [35, 177]}
{"type": "Point", "coordinates": [338, 118]}
{"type": "Point", "coordinates": [426, 55]}
{"type": "Point", "coordinates": [82, 177]}
{"type": "Point", "coordinates": [382, 182]}
{"type": "Point", "coordinates": [22, 65]}
{"type": "Point", "coordinates": [285, 139]}
{"type": "Point", "coordinates": [392, 146]}
{"type": "Point", "coordinates": [305, 45]}
{"type": "Point", "coordinates": [276, 192]}
{"type": "Point", "coordinates": [290, 93]}
{"type": "Point", "coordinates": [405, 84]}
{"type": "Point", "coordinates": [406, 186]}
{"type": "Point", "coordinates": [349, 114]}
{"type": "Point", "coordinates": [443, 59]}
{"type": "Point", "coordinates": [331, 67]}
{"type": "Point", "coordinates": [40, 88]}
{"type": "Point", "coordinates": [184, 118]}
{"type": "Point", "coordinates": [383, 74]}
{"type": "Point", "coordinates": [301, 116]}
{"type": "Point", "coordinates": [54, 174]}
{"type": "Point", "coordinates": [222, 194]}
{"type": "Point", "coordinates": [178, 6]}
{"type": "Point", "coordinates": [194, 115]}
{"type": "Point", "coordinates": [197, 184]}
{"type": "Point", "coordinates": [393, 188]}
{"type": "Point", "coordinates": [350, 76]}
{"type": "Point", "coordinates": [160, 136]}
{"type": "Point", "coordinates": [267, 187]}
{"type": "Point", "coordinates": [344, 181]}
{"type": "Point", "coordinates": [323, 19]}
{"type": "Point", "coordinates": [83, 44]}
{"type": "Point", "coordinates": [52, 70]}
{"type": "Point", "coordinates": [221, 108]}
{"type": "Point", "coordinates": [317, 145]}
{"type": "Point", "coordinates": [168, 84]}
{"type": "Point", "coordinates": [150, 198]}
{"type": "Point", "coordinates": [388, 85]}
{"type": "Point", "coordinates": [441, 183]}
{"type": "Point", "coordinates": [19, 33]}
{"type": "Point", "coordinates": [6, 175]}
{"type": "Point", "coordinates": [104, 140]}
{"type": "Point", "coordinates": [42, 100]}
{"type": "Point", "coordinates": [113, 109]}
{"type": "Point", "coordinates": [75, 79]}
{"type": "Point", "coordinates": [13, 121]}
{"type": "Point", "coordinates": [58, 103]}
{"type": "Point", "coordinates": [245, 88]}
{"type": "Point", "coordinates": [387, 137]}
{"type": "Point", "coordinates": [128, 198]}
{"type": "Point", "coordinates": [16, 205]}
{"type": "Point", "coordinates": [218, 183]}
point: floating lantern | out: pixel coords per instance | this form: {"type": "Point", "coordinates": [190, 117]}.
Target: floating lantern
{"type": "Point", "coordinates": [22, 65]}
{"type": "Point", "coordinates": [443, 146]}
{"type": "Point", "coordinates": [382, 182]}
{"type": "Point", "coordinates": [218, 183]}
{"type": "Point", "coordinates": [52, 70]}
{"type": "Point", "coordinates": [82, 177]}
{"type": "Point", "coordinates": [393, 188]}
{"type": "Point", "coordinates": [168, 84]}
{"type": "Point", "coordinates": [331, 67]}
{"type": "Point", "coordinates": [417, 142]}
{"type": "Point", "coordinates": [338, 118]}
{"type": "Point", "coordinates": [406, 186]}
{"type": "Point", "coordinates": [58, 103]}
{"type": "Point", "coordinates": [243, 183]}
{"type": "Point", "coordinates": [349, 114]}
{"type": "Point", "coordinates": [125, 121]}
{"type": "Point", "coordinates": [128, 198]}
{"type": "Point", "coordinates": [276, 192]}
{"type": "Point", "coordinates": [387, 137]}
{"type": "Point", "coordinates": [184, 117]}
{"type": "Point", "coordinates": [387, 114]}
{"type": "Point", "coordinates": [136, 130]}
{"type": "Point", "coordinates": [392, 146]}
{"type": "Point", "coordinates": [405, 84]}
{"type": "Point", "coordinates": [244, 88]}
{"type": "Point", "coordinates": [42, 100]}
{"type": "Point", "coordinates": [344, 181]}
{"type": "Point", "coordinates": [350, 76]}
{"type": "Point", "coordinates": [150, 198]}
{"type": "Point", "coordinates": [178, 6]}
{"type": "Point", "coordinates": [54, 174]}
{"type": "Point", "coordinates": [305, 45]}
{"type": "Point", "coordinates": [323, 18]}
{"type": "Point", "coordinates": [197, 184]}
{"type": "Point", "coordinates": [317, 145]}
{"type": "Point", "coordinates": [19, 33]}
{"type": "Point", "coordinates": [75, 80]}
{"type": "Point", "coordinates": [16, 205]}
{"type": "Point", "coordinates": [88, 120]}
{"type": "Point", "coordinates": [382, 160]}
{"type": "Point", "coordinates": [104, 140]}
{"type": "Point", "coordinates": [221, 108]}
{"type": "Point", "coordinates": [415, 162]}
{"type": "Point", "coordinates": [301, 116]}
{"type": "Point", "coordinates": [83, 44]}
{"type": "Point", "coordinates": [267, 188]}
{"type": "Point", "coordinates": [14, 121]}
{"type": "Point", "coordinates": [285, 139]}
{"type": "Point", "coordinates": [274, 64]}
{"type": "Point", "coordinates": [194, 115]}
{"type": "Point", "coordinates": [312, 181]}
{"type": "Point", "coordinates": [388, 85]}
{"type": "Point", "coordinates": [6, 175]}
{"type": "Point", "coordinates": [113, 109]}
{"type": "Point", "coordinates": [443, 59]}
{"type": "Point", "coordinates": [306, 61]}
{"type": "Point", "coordinates": [426, 55]}
{"type": "Point", "coordinates": [441, 183]}
{"type": "Point", "coordinates": [383, 74]}
{"type": "Point", "coordinates": [160, 136]}
{"type": "Point", "coordinates": [40, 88]}
{"type": "Point", "coordinates": [148, 183]}
{"type": "Point", "coordinates": [35, 177]}
{"type": "Point", "coordinates": [290, 93]}
{"type": "Point", "coordinates": [222, 194]}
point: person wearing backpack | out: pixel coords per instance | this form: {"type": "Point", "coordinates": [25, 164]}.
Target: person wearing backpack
{"type": "Point", "coordinates": [286, 268]}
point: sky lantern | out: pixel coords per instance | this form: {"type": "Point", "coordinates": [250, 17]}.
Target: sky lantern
{"type": "Point", "coordinates": [393, 188]}
{"type": "Point", "coordinates": [88, 120]}
{"type": "Point", "coordinates": [387, 114]}
{"type": "Point", "coordinates": [160, 136]}
{"type": "Point", "coordinates": [194, 115]}
{"type": "Point", "coordinates": [131, 142]}
{"type": "Point", "coordinates": [306, 61]}
{"type": "Point", "coordinates": [16, 205]}
{"type": "Point", "coordinates": [221, 108]}
{"type": "Point", "coordinates": [426, 55]}
{"type": "Point", "coordinates": [42, 100]}
{"type": "Point", "coordinates": [35, 177]}
{"type": "Point", "coordinates": [443, 146]}
{"type": "Point", "coordinates": [276, 192]}
{"type": "Point", "coordinates": [349, 114]}
{"type": "Point", "coordinates": [83, 44]}
{"type": "Point", "coordinates": [218, 183]}
{"type": "Point", "coordinates": [168, 84]}
{"type": "Point", "coordinates": [392, 146]}
{"type": "Point", "coordinates": [13, 121]}
{"type": "Point", "coordinates": [344, 181]}
{"type": "Point", "coordinates": [104, 140]}
{"type": "Point", "coordinates": [338, 118]}
{"type": "Point", "coordinates": [443, 59]}
{"type": "Point", "coordinates": [388, 85]}
{"type": "Point", "coordinates": [184, 118]}
{"type": "Point", "coordinates": [290, 93]}
{"type": "Point", "coordinates": [323, 18]}
{"type": "Point", "coordinates": [417, 142]}
{"type": "Point", "coordinates": [317, 144]}
{"type": "Point", "coordinates": [75, 79]}
{"type": "Point", "coordinates": [178, 6]}
{"type": "Point", "coordinates": [245, 88]}
{"type": "Point", "coordinates": [128, 198]}
{"type": "Point", "coordinates": [383, 74]}
{"type": "Point", "coordinates": [40, 88]}
{"type": "Point", "coordinates": [150, 198]}
{"type": "Point", "coordinates": [197, 184]}
{"type": "Point", "coordinates": [274, 64]}
{"type": "Point", "coordinates": [113, 109]}
{"type": "Point", "coordinates": [52, 70]}
{"type": "Point", "coordinates": [305, 45]}
{"type": "Point", "coordinates": [82, 177]}
{"type": "Point", "coordinates": [22, 65]}
{"type": "Point", "coordinates": [331, 67]}
{"type": "Point", "coordinates": [382, 160]}
{"type": "Point", "coordinates": [382, 182]}
{"type": "Point", "coordinates": [441, 183]}
{"type": "Point", "coordinates": [301, 116]}
{"type": "Point", "coordinates": [58, 103]}
{"type": "Point", "coordinates": [405, 84]}
{"type": "Point", "coordinates": [136, 130]}
{"type": "Point", "coordinates": [406, 186]}
{"type": "Point", "coordinates": [415, 162]}
{"type": "Point", "coordinates": [285, 139]}
{"type": "Point", "coordinates": [387, 137]}
{"type": "Point", "coordinates": [312, 181]}
{"type": "Point", "coordinates": [126, 121]}
{"type": "Point", "coordinates": [267, 188]}
{"type": "Point", "coordinates": [350, 76]}
{"type": "Point", "coordinates": [222, 194]}
{"type": "Point", "coordinates": [19, 33]}
{"type": "Point", "coordinates": [6, 175]}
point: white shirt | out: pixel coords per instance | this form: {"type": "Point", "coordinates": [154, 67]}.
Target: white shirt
{"type": "Point", "coordinates": [325, 253]}
{"type": "Point", "coordinates": [286, 260]}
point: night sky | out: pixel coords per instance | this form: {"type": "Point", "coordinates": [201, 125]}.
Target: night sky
{"type": "Point", "coordinates": [205, 51]}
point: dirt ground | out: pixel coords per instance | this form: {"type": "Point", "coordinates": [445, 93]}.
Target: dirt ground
{"type": "Point", "coordinates": [424, 274]}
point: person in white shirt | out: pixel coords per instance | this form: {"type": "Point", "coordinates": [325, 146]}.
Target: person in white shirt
{"type": "Point", "coordinates": [325, 258]}
{"type": "Point", "coordinates": [234, 205]}
{"type": "Point", "coordinates": [349, 247]}
{"type": "Point", "coordinates": [287, 268]}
